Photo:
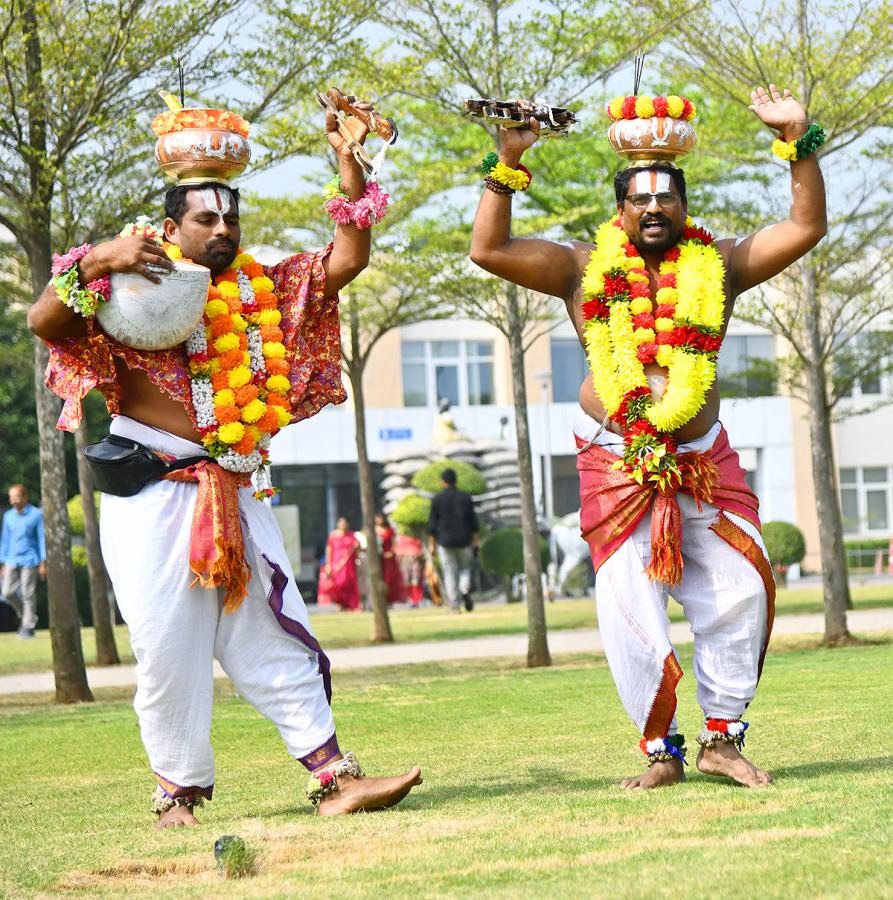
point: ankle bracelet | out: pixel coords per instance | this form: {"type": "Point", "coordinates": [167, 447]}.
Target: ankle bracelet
{"type": "Point", "coordinates": [664, 749]}
{"type": "Point", "coordinates": [162, 802]}
{"type": "Point", "coordinates": [722, 731]}
{"type": "Point", "coordinates": [324, 782]}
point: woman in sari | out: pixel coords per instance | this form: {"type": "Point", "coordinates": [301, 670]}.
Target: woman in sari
{"type": "Point", "coordinates": [390, 568]}
{"type": "Point", "coordinates": [338, 578]}
{"type": "Point", "coordinates": [410, 558]}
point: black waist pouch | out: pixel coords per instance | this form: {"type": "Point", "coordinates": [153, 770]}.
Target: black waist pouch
{"type": "Point", "coordinates": [123, 467]}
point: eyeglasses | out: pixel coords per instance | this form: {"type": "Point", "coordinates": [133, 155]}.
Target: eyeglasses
{"type": "Point", "coordinates": [665, 199]}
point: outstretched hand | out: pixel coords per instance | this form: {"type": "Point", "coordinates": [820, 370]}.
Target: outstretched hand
{"type": "Point", "coordinates": [780, 111]}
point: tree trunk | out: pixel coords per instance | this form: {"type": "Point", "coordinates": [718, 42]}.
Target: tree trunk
{"type": "Point", "coordinates": [381, 624]}
{"type": "Point", "coordinates": [65, 632]}
{"type": "Point", "coordinates": [835, 580]}
{"type": "Point", "coordinates": [106, 650]}
{"type": "Point", "coordinates": [537, 645]}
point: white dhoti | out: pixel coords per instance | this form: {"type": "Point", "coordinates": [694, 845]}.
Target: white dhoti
{"type": "Point", "coordinates": [723, 594]}
{"type": "Point", "coordinates": [266, 646]}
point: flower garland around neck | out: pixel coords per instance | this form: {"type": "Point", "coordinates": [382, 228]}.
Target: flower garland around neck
{"type": "Point", "coordinates": [237, 365]}
{"type": "Point", "coordinates": [238, 368]}
{"type": "Point", "coordinates": [624, 331]}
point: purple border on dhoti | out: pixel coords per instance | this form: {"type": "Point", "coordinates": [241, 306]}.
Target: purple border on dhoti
{"type": "Point", "coordinates": [295, 628]}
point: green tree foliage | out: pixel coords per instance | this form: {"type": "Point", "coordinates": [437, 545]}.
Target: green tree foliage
{"type": "Point", "coordinates": [19, 447]}
{"type": "Point", "coordinates": [76, 512]}
{"type": "Point", "coordinates": [412, 514]}
{"type": "Point", "coordinates": [785, 543]}
{"type": "Point", "coordinates": [502, 556]}
{"type": "Point", "coordinates": [468, 478]}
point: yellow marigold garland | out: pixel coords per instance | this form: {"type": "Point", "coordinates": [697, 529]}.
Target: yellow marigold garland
{"type": "Point", "coordinates": [680, 329]}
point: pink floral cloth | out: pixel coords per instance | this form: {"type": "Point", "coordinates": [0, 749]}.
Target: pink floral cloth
{"type": "Point", "coordinates": [312, 338]}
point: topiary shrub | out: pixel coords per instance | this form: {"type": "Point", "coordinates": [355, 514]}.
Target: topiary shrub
{"type": "Point", "coordinates": [502, 556]}
{"type": "Point", "coordinates": [785, 545]}
{"type": "Point", "coordinates": [468, 478]}
{"type": "Point", "coordinates": [412, 514]}
{"type": "Point", "coordinates": [76, 512]}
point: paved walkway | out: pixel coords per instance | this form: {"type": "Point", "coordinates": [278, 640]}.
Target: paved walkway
{"type": "Point", "coordinates": [570, 641]}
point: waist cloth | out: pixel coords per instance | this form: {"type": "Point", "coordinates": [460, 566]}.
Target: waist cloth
{"type": "Point", "coordinates": [222, 514]}
{"type": "Point", "coordinates": [612, 504]}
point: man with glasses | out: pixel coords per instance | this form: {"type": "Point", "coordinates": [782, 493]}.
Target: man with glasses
{"type": "Point", "coordinates": [664, 504]}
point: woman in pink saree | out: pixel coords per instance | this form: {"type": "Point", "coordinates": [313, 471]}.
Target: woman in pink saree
{"type": "Point", "coordinates": [338, 578]}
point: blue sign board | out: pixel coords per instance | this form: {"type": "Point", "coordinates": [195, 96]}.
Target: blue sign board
{"type": "Point", "coordinates": [394, 434]}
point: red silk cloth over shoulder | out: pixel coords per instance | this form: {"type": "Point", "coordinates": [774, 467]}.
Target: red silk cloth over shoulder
{"type": "Point", "coordinates": [612, 505]}
{"type": "Point", "coordinates": [312, 338]}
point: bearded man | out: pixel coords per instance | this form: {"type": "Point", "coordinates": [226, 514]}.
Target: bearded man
{"type": "Point", "coordinates": [265, 353]}
{"type": "Point", "coordinates": [664, 504]}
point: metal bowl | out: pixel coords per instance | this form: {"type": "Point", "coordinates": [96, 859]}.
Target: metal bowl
{"type": "Point", "coordinates": [658, 138]}
{"type": "Point", "coordinates": [149, 316]}
{"type": "Point", "coordinates": [194, 155]}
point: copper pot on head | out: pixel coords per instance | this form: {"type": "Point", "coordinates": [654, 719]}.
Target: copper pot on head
{"type": "Point", "coordinates": [207, 154]}
{"type": "Point", "coordinates": [658, 139]}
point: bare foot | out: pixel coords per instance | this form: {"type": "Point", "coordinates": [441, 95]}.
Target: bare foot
{"type": "Point", "coordinates": [661, 774]}
{"type": "Point", "coordinates": [726, 759]}
{"type": "Point", "coordinates": [176, 817]}
{"type": "Point", "coordinates": [368, 794]}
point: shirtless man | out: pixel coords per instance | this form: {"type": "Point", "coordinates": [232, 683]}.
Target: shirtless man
{"type": "Point", "coordinates": [725, 586]}
{"type": "Point", "coordinates": [259, 632]}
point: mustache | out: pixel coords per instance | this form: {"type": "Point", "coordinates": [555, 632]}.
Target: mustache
{"type": "Point", "coordinates": [655, 220]}
{"type": "Point", "coordinates": [221, 244]}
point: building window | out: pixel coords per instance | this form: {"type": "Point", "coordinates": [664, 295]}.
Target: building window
{"type": "Point", "coordinates": [865, 499]}
{"type": "Point", "coordinates": [746, 366]}
{"type": "Point", "coordinates": [460, 371]}
{"type": "Point", "coordinates": [872, 345]}
{"type": "Point", "coordinates": [569, 368]}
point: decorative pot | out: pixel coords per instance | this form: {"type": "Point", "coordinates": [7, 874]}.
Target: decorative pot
{"type": "Point", "coordinates": [649, 140]}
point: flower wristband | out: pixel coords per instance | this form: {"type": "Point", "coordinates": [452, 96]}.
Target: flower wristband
{"type": "Point", "coordinates": [515, 179]}
{"type": "Point", "coordinates": [83, 300]}
{"type": "Point", "coordinates": [364, 213]}
{"type": "Point", "coordinates": [802, 147]}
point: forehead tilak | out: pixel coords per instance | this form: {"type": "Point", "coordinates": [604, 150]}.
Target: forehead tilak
{"type": "Point", "coordinates": [217, 199]}
{"type": "Point", "coordinates": [651, 182]}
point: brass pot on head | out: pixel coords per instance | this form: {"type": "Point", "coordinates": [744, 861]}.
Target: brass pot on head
{"type": "Point", "coordinates": [658, 139]}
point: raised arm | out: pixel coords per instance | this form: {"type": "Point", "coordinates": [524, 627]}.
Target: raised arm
{"type": "Point", "coordinates": [542, 266]}
{"type": "Point", "coordinates": [350, 253]}
{"type": "Point", "coordinates": [772, 249]}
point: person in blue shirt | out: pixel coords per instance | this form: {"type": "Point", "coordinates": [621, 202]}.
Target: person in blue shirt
{"type": "Point", "coordinates": [22, 557]}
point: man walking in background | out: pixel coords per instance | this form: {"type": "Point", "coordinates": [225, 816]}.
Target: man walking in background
{"type": "Point", "coordinates": [23, 557]}
{"type": "Point", "coordinates": [453, 530]}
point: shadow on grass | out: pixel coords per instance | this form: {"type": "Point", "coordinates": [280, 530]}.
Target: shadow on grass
{"type": "Point", "coordinates": [820, 768]}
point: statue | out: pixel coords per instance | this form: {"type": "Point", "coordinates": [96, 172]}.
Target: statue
{"type": "Point", "coordinates": [444, 430]}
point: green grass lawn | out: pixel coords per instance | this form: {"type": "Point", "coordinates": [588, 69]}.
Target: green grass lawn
{"type": "Point", "coordinates": [427, 624]}
{"type": "Point", "coordinates": [520, 796]}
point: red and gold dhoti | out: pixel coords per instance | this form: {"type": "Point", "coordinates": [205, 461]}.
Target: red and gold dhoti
{"type": "Point", "coordinates": [701, 544]}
